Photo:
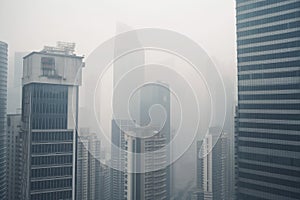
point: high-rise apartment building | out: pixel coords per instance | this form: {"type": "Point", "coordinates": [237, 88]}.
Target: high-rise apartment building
{"type": "Point", "coordinates": [152, 184]}
{"type": "Point", "coordinates": [117, 174]}
{"type": "Point", "coordinates": [213, 166]}
{"type": "Point", "coordinates": [105, 181]}
{"type": "Point", "coordinates": [89, 182]}
{"type": "Point", "coordinates": [3, 112]}
{"type": "Point", "coordinates": [51, 80]}
{"type": "Point", "coordinates": [14, 156]}
{"type": "Point", "coordinates": [268, 116]}
{"type": "Point", "coordinates": [125, 182]}
{"type": "Point", "coordinates": [159, 94]}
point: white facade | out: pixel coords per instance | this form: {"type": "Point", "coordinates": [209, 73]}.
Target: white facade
{"type": "Point", "coordinates": [213, 165]}
{"type": "Point", "coordinates": [153, 183]}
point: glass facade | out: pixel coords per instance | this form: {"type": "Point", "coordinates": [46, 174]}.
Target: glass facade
{"type": "Point", "coordinates": [3, 103]}
{"type": "Point", "coordinates": [267, 125]}
{"type": "Point", "coordinates": [45, 108]}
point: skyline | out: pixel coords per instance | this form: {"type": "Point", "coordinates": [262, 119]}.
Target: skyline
{"type": "Point", "coordinates": [146, 100]}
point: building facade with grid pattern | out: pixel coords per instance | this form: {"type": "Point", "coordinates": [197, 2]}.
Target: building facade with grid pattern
{"type": "Point", "coordinates": [268, 115]}
{"type": "Point", "coordinates": [51, 81]}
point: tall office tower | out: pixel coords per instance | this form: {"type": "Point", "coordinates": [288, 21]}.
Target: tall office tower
{"type": "Point", "coordinates": [14, 156]}
{"type": "Point", "coordinates": [88, 167]}
{"type": "Point", "coordinates": [51, 80]}
{"type": "Point", "coordinates": [268, 123]}
{"type": "Point", "coordinates": [213, 165]}
{"type": "Point", "coordinates": [3, 103]}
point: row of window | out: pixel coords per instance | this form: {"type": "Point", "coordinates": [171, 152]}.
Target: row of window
{"type": "Point", "coordinates": [49, 72]}
{"type": "Point", "coordinates": [52, 160]}
{"type": "Point", "coordinates": [269, 169]}
{"type": "Point", "coordinates": [65, 195]}
{"type": "Point", "coordinates": [270, 179]}
{"type": "Point", "coordinates": [270, 159]}
{"type": "Point", "coordinates": [285, 137]}
{"type": "Point", "coordinates": [269, 96]}
{"type": "Point", "coordinates": [51, 184]}
{"type": "Point", "coordinates": [53, 107]}
{"type": "Point", "coordinates": [270, 66]}
{"type": "Point", "coordinates": [270, 75]}
{"type": "Point", "coordinates": [289, 54]}
{"type": "Point", "coordinates": [270, 47]}
{"type": "Point", "coordinates": [270, 116]}
{"type": "Point", "coordinates": [290, 35]}
{"type": "Point", "coordinates": [51, 136]}
{"type": "Point", "coordinates": [240, 195]}
{"type": "Point", "coordinates": [287, 16]}
{"type": "Point", "coordinates": [277, 9]}
{"type": "Point", "coordinates": [49, 122]}
{"type": "Point", "coordinates": [292, 127]}
{"type": "Point", "coordinates": [48, 172]}
{"type": "Point", "coordinates": [51, 148]}
{"type": "Point", "coordinates": [269, 87]}
{"type": "Point", "coordinates": [271, 106]}
{"type": "Point", "coordinates": [265, 145]}
{"type": "Point", "coordinates": [283, 193]}
{"type": "Point", "coordinates": [50, 92]}
{"type": "Point", "coordinates": [255, 4]}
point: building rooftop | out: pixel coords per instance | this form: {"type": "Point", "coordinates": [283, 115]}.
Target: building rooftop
{"type": "Point", "coordinates": [65, 49]}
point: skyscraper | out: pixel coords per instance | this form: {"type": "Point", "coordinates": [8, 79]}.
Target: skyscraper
{"type": "Point", "coordinates": [14, 156]}
{"type": "Point", "coordinates": [268, 116]}
{"type": "Point", "coordinates": [126, 183]}
{"type": "Point", "coordinates": [51, 80]}
{"type": "Point", "coordinates": [105, 181]}
{"type": "Point", "coordinates": [88, 167]}
{"type": "Point", "coordinates": [159, 94]}
{"type": "Point", "coordinates": [141, 102]}
{"type": "Point", "coordinates": [153, 183]}
{"type": "Point", "coordinates": [118, 159]}
{"type": "Point", "coordinates": [3, 103]}
{"type": "Point", "coordinates": [213, 166]}
{"type": "Point", "coordinates": [129, 184]}
{"type": "Point", "coordinates": [121, 67]}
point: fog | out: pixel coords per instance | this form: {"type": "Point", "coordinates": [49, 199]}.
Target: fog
{"type": "Point", "coordinates": [28, 25]}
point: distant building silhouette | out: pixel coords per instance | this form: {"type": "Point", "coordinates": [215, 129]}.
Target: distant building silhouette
{"type": "Point", "coordinates": [14, 90]}
{"type": "Point", "coordinates": [89, 175]}
{"type": "Point", "coordinates": [145, 97]}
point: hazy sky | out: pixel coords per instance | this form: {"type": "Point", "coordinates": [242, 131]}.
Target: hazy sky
{"type": "Point", "coordinates": [28, 25]}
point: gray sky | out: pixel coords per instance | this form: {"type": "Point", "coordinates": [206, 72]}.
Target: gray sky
{"type": "Point", "coordinates": [28, 25]}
